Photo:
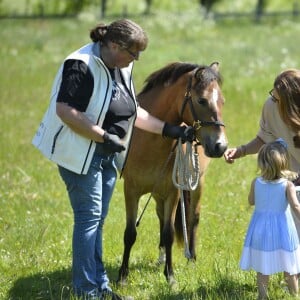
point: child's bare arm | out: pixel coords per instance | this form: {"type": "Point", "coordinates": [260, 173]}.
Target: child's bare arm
{"type": "Point", "coordinates": [292, 198]}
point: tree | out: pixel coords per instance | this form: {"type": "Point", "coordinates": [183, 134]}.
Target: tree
{"type": "Point", "coordinates": [75, 6]}
{"type": "Point", "coordinates": [260, 7]}
{"type": "Point", "coordinates": [103, 8]}
{"type": "Point", "coordinates": [207, 5]}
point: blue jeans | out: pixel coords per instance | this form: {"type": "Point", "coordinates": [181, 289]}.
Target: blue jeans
{"type": "Point", "coordinates": [90, 196]}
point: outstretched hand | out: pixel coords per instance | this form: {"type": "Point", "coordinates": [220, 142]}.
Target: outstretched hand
{"type": "Point", "coordinates": [231, 154]}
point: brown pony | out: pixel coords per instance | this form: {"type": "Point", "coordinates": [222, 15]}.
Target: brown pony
{"type": "Point", "coordinates": [178, 93]}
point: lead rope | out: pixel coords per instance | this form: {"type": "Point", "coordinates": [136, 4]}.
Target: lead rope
{"type": "Point", "coordinates": [185, 176]}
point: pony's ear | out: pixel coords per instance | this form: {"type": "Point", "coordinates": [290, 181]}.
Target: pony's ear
{"type": "Point", "coordinates": [215, 66]}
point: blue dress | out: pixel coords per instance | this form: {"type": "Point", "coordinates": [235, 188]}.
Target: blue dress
{"type": "Point", "coordinates": [271, 244]}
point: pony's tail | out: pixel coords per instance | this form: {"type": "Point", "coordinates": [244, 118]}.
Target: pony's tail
{"type": "Point", "coordinates": [178, 218]}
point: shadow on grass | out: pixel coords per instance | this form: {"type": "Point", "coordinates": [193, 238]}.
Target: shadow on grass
{"type": "Point", "coordinates": [58, 286]}
{"type": "Point", "coordinates": [55, 285]}
{"type": "Point", "coordinates": [43, 286]}
{"type": "Point", "coordinates": [49, 286]}
{"type": "Point", "coordinates": [224, 289]}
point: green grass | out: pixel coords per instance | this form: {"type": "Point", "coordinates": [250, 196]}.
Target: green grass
{"type": "Point", "coordinates": [35, 215]}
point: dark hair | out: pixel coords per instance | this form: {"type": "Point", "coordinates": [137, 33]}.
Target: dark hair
{"type": "Point", "coordinates": [287, 85]}
{"type": "Point", "coordinates": [124, 32]}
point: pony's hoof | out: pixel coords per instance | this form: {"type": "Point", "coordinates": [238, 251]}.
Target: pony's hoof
{"type": "Point", "coordinates": [161, 261]}
{"type": "Point", "coordinates": [172, 283]}
{"type": "Point", "coordinates": [121, 282]}
{"type": "Point", "coordinates": [161, 256]}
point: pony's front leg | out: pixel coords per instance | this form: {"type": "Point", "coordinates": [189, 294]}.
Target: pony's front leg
{"type": "Point", "coordinates": [168, 237]}
{"type": "Point", "coordinates": [194, 216]}
{"type": "Point", "coordinates": [130, 234]}
{"type": "Point", "coordinates": [162, 247]}
{"type": "Point", "coordinates": [166, 210]}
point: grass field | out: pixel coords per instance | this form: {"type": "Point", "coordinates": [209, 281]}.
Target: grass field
{"type": "Point", "coordinates": [35, 215]}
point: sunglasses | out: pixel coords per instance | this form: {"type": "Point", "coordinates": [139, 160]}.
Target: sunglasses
{"type": "Point", "coordinates": [134, 55]}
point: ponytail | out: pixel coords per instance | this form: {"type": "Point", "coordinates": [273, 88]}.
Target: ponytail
{"type": "Point", "coordinates": [97, 33]}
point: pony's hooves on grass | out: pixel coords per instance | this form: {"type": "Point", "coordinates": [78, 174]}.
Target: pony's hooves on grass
{"type": "Point", "coordinates": [162, 256]}
{"type": "Point", "coordinates": [160, 262]}
{"type": "Point", "coordinates": [122, 282]}
{"type": "Point", "coordinates": [173, 283]}
{"type": "Point", "coordinates": [191, 260]}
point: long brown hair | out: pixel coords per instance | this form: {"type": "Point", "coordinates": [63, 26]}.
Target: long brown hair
{"type": "Point", "coordinates": [287, 85]}
{"type": "Point", "coordinates": [124, 32]}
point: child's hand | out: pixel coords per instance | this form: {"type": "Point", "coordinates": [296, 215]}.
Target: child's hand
{"type": "Point", "coordinates": [231, 154]}
{"type": "Point", "coordinates": [297, 181]}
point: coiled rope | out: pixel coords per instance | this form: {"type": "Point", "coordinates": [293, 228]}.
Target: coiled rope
{"type": "Point", "coordinates": [185, 176]}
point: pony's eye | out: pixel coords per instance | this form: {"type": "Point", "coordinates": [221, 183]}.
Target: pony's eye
{"type": "Point", "coordinates": [202, 101]}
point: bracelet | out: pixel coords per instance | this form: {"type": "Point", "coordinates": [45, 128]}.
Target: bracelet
{"type": "Point", "coordinates": [242, 149]}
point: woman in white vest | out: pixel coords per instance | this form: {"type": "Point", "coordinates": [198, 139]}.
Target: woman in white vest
{"type": "Point", "coordinates": [86, 131]}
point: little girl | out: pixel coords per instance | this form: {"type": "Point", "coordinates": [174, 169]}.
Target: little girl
{"type": "Point", "coordinates": [271, 244]}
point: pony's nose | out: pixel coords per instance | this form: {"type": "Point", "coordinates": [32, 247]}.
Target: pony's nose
{"type": "Point", "coordinates": [220, 148]}
{"type": "Point", "coordinates": [215, 150]}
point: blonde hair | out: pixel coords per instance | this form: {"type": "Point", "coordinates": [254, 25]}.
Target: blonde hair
{"type": "Point", "coordinates": [287, 85]}
{"type": "Point", "coordinates": [273, 162]}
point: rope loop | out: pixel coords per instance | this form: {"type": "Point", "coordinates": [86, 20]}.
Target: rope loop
{"type": "Point", "coordinates": [186, 170]}
{"type": "Point", "coordinates": [185, 176]}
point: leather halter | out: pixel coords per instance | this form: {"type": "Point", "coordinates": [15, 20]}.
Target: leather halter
{"type": "Point", "coordinates": [197, 123]}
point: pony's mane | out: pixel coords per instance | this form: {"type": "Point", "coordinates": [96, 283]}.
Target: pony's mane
{"type": "Point", "coordinates": [170, 73]}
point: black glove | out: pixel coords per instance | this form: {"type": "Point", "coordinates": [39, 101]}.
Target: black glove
{"type": "Point", "coordinates": [176, 132]}
{"type": "Point", "coordinates": [112, 143]}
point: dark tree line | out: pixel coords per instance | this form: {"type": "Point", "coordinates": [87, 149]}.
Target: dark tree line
{"type": "Point", "coordinates": [73, 7]}
{"type": "Point", "coordinates": [206, 5]}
